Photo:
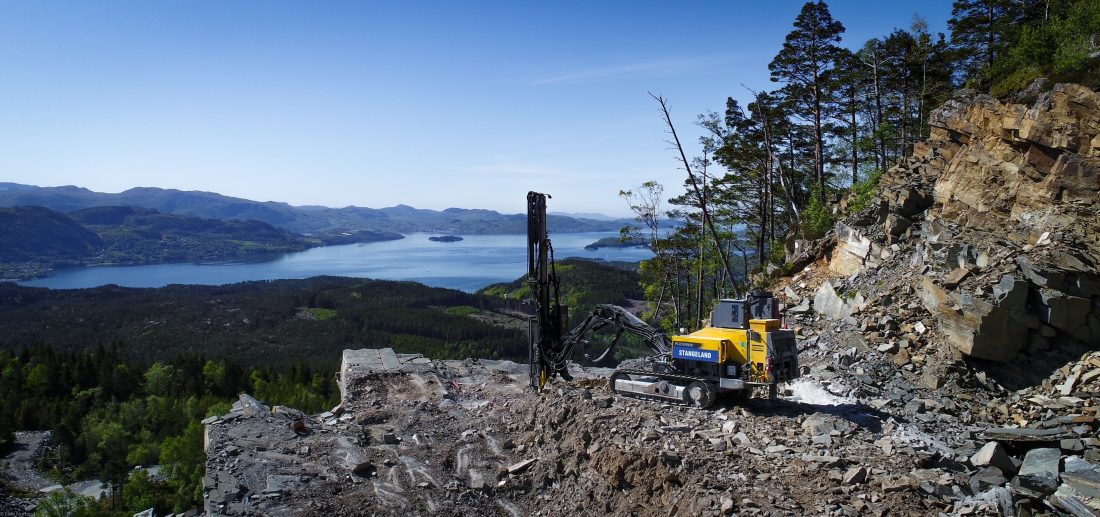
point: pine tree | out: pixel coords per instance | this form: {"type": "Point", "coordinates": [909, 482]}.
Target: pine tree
{"type": "Point", "coordinates": [981, 31]}
{"type": "Point", "coordinates": [806, 64]}
{"type": "Point", "coordinates": [851, 83]}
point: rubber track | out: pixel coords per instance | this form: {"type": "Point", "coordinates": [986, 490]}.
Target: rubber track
{"type": "Point", "coordinates": [686, 379]}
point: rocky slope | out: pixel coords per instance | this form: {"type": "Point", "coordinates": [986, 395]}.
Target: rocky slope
{"type": "Point", "coordinates": [975, 271]}
{"type": "Point", "coordinates": [946, 339]}
{"type": "Point", "coordinates": [997, 214]}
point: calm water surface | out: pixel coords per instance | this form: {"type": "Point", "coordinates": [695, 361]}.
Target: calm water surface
{"type": "Point", "coordinates": [473, 263]}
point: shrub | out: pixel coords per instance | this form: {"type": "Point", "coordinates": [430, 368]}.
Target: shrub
{"type": "Point", "coordinates": [861, 194]}
{"type": "Point", "coordinates": [817, 217]}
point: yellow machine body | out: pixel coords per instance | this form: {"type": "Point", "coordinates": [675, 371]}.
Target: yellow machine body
{"type": "Point", "coordinates": [745, 348]}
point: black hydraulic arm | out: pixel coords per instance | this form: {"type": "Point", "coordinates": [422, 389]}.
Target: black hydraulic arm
{"type": "Point", "coordinates": [549, 345]}
{"type": "Point", "coordinates": [613, 315]}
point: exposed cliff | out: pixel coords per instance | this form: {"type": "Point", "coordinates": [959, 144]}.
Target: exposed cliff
{"type": "Point", "coordinates": [998, 214]}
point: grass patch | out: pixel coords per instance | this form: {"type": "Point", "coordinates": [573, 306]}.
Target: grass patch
{"type": "Point", "coordinates": [859, 198]}
{"type": "Point", "coordinates": [322, 314]}
{"type": "Point", "coordinates": [460, 310]}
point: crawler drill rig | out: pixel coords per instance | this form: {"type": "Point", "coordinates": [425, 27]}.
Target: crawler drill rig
{"type": "Point", "coordinates": [743, 347]}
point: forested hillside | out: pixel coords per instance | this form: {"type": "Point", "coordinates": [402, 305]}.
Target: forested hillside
{"type": "Point", "coordinates": [110, 414]}
{"type": "Point", "coordinates": [33, 233]}
{"type": "Point", "coordinates": [36, 239]}
{"type": "Point", "coordinates": [584, 284]}
{"type": "Point", "coordinates": [140, 235]}
{"type": "Point", "coordinates": [273, 324]}
{"type": "Point", "coordinates": [123, 376]}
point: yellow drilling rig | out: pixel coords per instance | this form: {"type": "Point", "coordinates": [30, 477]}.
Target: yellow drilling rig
{"type": "Point", "coordinates": [743, 347]}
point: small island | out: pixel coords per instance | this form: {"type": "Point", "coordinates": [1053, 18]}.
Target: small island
{"type": "Point", "coordinates": [445, 238]}
{"type": "Point", "coordinates": [617, 242]}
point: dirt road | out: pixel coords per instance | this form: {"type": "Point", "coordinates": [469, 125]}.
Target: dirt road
{"type": "Point", "coordinates": [17, 467]}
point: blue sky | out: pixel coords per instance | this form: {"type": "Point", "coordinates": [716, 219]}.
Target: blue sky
{"type": "Point", "coordinates": [431, 104]}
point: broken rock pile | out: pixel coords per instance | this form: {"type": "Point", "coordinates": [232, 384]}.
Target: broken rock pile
{"type": "Point", "coordinates": [461, 437]}
{"type": "Point", "coordinates": [969, 292]}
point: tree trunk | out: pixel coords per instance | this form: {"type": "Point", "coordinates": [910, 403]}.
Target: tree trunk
{"type": "Point", "coordinates": [660, 300]}
{"type": "Point", "coordinates": [855, 138]}
{"type": "Point", "coordinates": [904, 115]}
{"type": "Point", "coordinates": [675, 273]}
{"type": "Point", "coordinates": [923, 93]}
{"type": "Point", "coordinates": [989, 36]}
{"type": "Point", "coordinates": [701, 261]}
{"type": "Point", "coordinates": [699, 284]}
{"type": "Point", "coordinates": [783, 181]}
{"type": "Point", "coordinates": [819, 139]}
{"type": "Point", "coordinates": [878, 113]}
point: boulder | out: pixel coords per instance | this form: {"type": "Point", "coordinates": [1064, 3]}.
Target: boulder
{"type": "Point", "coordinates": [517, 468]}
{"type": "Point", "coordinates": [895, 226]}
{"type": "Point", "coordinates": [995, 331]}
{"type": "Point", "coordinates": [852, 251]}
{"type": "Point", "coordinates": [831, 305]}
{"type": "Point", "coordinates": [992, 454]}
{"type": "Point", "coordinates": [956, 277]}
{"type": "Point", "coordinates": [987, 478]}
{"type": "Point", "coordinates": [855, 476]}
{"type": "Point", "coordinates": [1067, 313]}
{"type": "Point", "coordinates": [910, 201]}
{"type": "Point", "coordinates": [250, 407]}
{"type": "Point", "coordinates": [1039, 472]}
{"type": "Point", "coordinates": [1082, 476]}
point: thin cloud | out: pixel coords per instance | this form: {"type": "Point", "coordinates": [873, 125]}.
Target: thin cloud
{"type": "Point", "coordinates": [509, 166]}
{"type": "Point", "coordinates": [665, 67]}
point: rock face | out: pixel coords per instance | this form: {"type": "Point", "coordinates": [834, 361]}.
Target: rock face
{"type": "Point", "coordinates": [999, 211]}
{"type": "Point", "coordinates": [1035, 165]}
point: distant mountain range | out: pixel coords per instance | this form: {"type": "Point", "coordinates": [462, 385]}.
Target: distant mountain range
{"type": "Point", "coordinates": [587, 215]}
{"type": "Point", "coordinates": [35, 239]}
{"type": "Point", "coordinates": [307, 220]}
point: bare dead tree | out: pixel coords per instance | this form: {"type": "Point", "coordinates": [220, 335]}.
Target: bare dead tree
{"type": "Point", "coordinates": [646, 205]}
{"type": "Point", "coordinates": [699, 196]}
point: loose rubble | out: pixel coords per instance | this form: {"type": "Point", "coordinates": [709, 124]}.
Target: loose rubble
{"type": "Point", "coordinates": [462, 437]}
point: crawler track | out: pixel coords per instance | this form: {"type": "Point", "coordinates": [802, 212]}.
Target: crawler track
{"type": "Point", "coordinates": [685, 381]}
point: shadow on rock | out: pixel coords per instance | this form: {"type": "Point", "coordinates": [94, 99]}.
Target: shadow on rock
{"type": "Point", "coordinates": [861, 415]}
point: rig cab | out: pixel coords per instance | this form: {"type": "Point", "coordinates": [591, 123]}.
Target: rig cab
{"type": "Point", "coordinates": [744, 346]}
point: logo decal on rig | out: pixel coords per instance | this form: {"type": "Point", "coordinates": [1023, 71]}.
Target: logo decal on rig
{"type": "Point", "coordinates": [695, 354]}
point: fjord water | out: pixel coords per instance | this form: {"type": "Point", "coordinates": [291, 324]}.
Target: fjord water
{"type": "Point", "coordinates": [468, 265]}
